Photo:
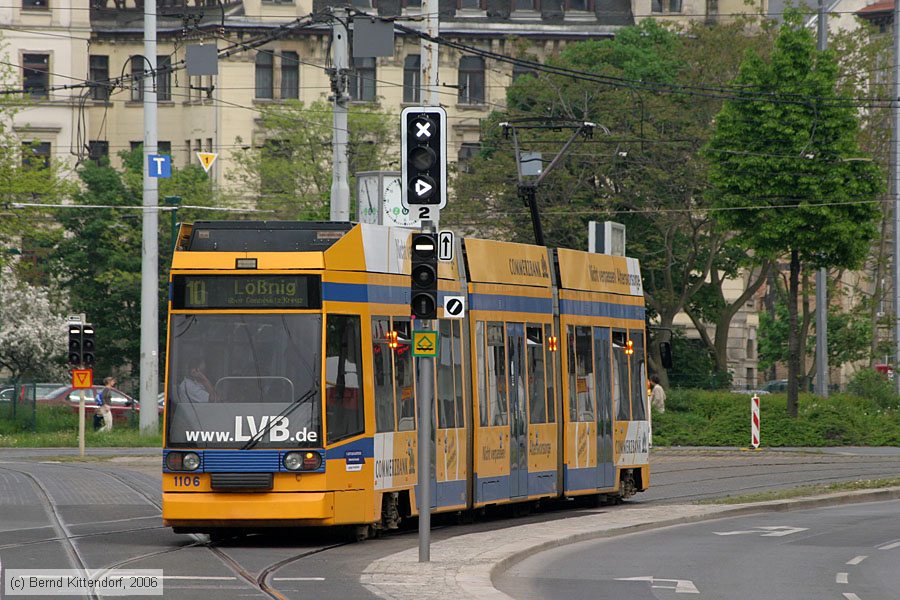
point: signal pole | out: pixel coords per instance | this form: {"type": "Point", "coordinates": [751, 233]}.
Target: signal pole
{"type": "Point", "coordinates": [895, 151]}
{"type": "Point", "coordinates": [822, 273]}
{"type": "Point", "coordinates": [340, 52]}
{"type": "Point", "coordinates": [149, 366]}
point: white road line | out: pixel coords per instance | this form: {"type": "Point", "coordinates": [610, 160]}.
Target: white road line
{"type": "Point", "coordinates": [856, 560]}
{"type": "Point", "coordinates": [851, 596]}
{"type": "Point", "coordinates": [841, 578]}
{"type": "Point", "coordinates": [298, 579]}
{"type": "Point", "coordinates": [198, 578]}
{"type": "Point", "coordinates": [890, 546]}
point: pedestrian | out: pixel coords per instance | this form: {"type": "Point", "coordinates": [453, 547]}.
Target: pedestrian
{"type": "Point", "coordinates": [103, 401]}
{"type": "Point", "coordinates": [657, 394]}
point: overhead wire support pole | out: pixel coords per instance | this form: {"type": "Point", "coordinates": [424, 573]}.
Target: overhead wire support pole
{"type": "Point", "coordinates": [527, 190]}
{"type": "Point", "coordinates": [822, 273]}
{"type": "Point", "coordinates": [340, 58]}
{"type": "Point", "coordinates": [149, 357]}
{"type": "Point", "coordinates": [895, 151]}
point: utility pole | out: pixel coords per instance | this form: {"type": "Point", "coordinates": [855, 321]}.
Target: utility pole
{"type": "Point", "coordinates": [430, 54]}
{"type": "Point", "coordinates": [340, 58]}
{"type": "Point", "coordinates": [149, 366]}
{"type": "Point", "coordinates": [895, 151]}
{"type": "Point", "coordinates": [822, 273]}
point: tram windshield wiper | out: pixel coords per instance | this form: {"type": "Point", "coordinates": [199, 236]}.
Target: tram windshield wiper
{"type": "Point", "coordinates": [310, 394]}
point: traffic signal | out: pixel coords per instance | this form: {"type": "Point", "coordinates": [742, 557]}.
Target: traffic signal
{"type": "Point", "coordinates": [87, 345]}
{"type": "Point", "coordinates": [423, 148]}
{"type": "Point", "coordinates": [423, 284]}
{"type": "Point", "coordinates": [75, 334]}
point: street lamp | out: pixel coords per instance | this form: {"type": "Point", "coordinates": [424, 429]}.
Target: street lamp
{"type": "Point", "coordinates": [173, 201]}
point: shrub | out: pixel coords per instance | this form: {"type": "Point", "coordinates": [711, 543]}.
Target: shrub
{"type": "Point", "coordinates": [871, 384]}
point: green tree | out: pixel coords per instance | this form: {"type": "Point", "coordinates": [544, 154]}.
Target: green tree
{"type": "Point", "coordinates": [290, 171]}
{"type": "Point", "coordinates": [786, 168]}
{"type": "Point", "coordinates": [646, 173]}
{"type": "Point", "coordinates": [97, 253]}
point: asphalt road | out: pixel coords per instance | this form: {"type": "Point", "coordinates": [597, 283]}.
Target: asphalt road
{"type": "Point", "coordinates": [847, 552]}
{"type": "Point", "coordinates": [104, 513]}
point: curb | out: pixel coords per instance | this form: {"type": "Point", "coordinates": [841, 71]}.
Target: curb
{"type": "Point", "coordinates": [464, 566]}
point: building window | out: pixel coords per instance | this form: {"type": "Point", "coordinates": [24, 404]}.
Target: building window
{"type": "Point", "coordinates": [98, 149]}
{"type": "Point", "coordinates": [36, 74]}
{"type": "Point", "coordinates": [136, 145]}
{"type": "Point", "coordinates": [412, 3]}
{"type": "Point", "coordinates": [362, 80]}
{"type": "Point", "coordinates": [361, 3]}
{"type": "Point", "coordinates": [137, 78]}
{"type": "Point", "coordinates": [42, 4]}
{"type": "Point", "coordinates": [99, 74]}
{"type": "Point", "coordinates": [163, 78]}
{"type": "Point", "coordinates": [164, 148]}
{"type": "Point", "coordinates": [36, 154]}
{"type": "Point", "coordinates": [412, 78]}
{"type": "Point", "coordinates": [470, 4]}
{"type": "Point", "coordinates": [471, 80]}
{"type": "Point", "coordinates": [656, 6]}
{"type": "Point", "coordinates": [674, 6]}
{"type": "Point", "coordinates": [578, 5]}
{"type": "Point", "coordinates": [265, 83]}
{"type": "Point", "coordinates": [526, 5]}
{"type": "Point", "coordinates": [467, 151]}
{"type": "Point", "coordinates": [290, 75]}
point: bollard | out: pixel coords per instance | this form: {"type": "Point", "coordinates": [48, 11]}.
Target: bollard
{"type": "Point", "coordinates": [754, 422]}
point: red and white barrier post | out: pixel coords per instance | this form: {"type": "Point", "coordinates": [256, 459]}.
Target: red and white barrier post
{"type": "Point", "coordinates": [754, 422]}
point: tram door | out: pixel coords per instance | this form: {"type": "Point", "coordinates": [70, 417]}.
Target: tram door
{"type": "Point", "coordinates": [603, 385]}
{"type": "Point", "coordinates": [518, 420]}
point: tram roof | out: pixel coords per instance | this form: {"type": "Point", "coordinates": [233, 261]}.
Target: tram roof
{"type": "Point", "coordinates": [265, 236]}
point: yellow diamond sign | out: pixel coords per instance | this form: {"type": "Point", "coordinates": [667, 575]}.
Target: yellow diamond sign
{"type": "Point", "coordinates": [425, 343]}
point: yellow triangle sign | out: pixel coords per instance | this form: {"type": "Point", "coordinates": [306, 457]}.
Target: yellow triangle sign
{"type": "Point", "coordinates": [207, 159]}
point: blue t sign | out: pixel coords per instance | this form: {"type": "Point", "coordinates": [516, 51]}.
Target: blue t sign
{"type": "Point", "coordinates": [160, 165]}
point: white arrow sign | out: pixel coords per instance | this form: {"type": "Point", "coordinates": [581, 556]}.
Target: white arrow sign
{"type": "Point", "coordinates": [422, 188]}
{"type": "Point", "coordinates": [681, 586]}
{"type": "Point", "coordinates": [445, 245]}
{"type": "Point", "coordinates": [776, 531]}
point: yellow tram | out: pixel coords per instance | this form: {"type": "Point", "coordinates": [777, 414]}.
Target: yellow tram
{"type": "Point", "coordinates": [290, 377]}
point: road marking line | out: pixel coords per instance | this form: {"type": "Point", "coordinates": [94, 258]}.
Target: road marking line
{"type": "Point", "coordinates": [298, 579]}
{"type": "Point", "coordinates": [841, 578]}
{"type": "Point", "coordinates": [856, 560]}
{"type": "Point", "coordinates": [890, 546]}
{"type": "Point", "coordinates": [198, 578]}
{"type": "Point", "coordinates": [851, 596]}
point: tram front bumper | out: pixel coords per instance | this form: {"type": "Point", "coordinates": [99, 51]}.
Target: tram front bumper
{"type": "Point", "coordinates": [251, 509]}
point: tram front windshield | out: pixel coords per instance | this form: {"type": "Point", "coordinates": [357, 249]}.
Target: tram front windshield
{"type": "Point", "coordinates": [244, 380]}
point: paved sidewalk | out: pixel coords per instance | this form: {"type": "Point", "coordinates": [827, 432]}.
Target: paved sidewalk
{"type": "Point", "coordinates": [461, 567]}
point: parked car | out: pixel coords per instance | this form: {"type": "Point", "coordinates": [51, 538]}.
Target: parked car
{"type": "Point", "coordinates": [120, 403]}
{"type": "Point", "coordinates": [40, 391]}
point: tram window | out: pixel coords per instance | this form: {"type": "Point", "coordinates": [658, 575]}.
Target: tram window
{"type": "Point", "coordinates": [481, 373]}
{"type": "Point", "coordinates": [496, 375]}
{"type": "Point", "coordinates": [382, 361]}
{"type": "Point", "coordinates": [344, 407]}
{"type": "Point", "coordinates": [550, 370]}
{"type": "Point", "coordinates": [457, 373]}
{"type": "Point", "coordinates": [537, 389]}
{"type": "Point", "coordinates": [584, 372]}
{"type": "Point", "coordinates": [446, 395]}
{"type": "Point", "coordinates": [403, 377]}
{"type": "Point", "coordinates": [570, 346]}
{"type": "Point", "coordinates": [620, 376]}
{"type": "Point", "coordinates": [601, 373]}
{"type": "Point", "coordinates": [638, 377]}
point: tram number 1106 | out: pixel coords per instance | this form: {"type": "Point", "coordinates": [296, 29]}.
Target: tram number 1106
{"type": "Point", "coordinates": [187, 481]}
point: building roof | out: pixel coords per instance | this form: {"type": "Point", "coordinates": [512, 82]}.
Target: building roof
{"type": "Point", "coordinates": [878, 8]}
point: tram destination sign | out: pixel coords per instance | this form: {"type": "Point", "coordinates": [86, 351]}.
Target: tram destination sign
{"type": "Point", "coordinates": [197, 292]}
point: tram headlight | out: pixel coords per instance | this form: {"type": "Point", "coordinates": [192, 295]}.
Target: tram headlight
{"type": "Point", "coordinates": [191, 461]}
{"type": "Point", "coordinates": [183, 461]}
{"type": "Point", "coordinates": [302, 461]}
{"type": "Point", "coordinates": [292, 461]}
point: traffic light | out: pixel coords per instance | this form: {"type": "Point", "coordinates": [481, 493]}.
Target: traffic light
{"type": "Point", "coordinates": [423, 148]}
{"type": "Point", "coordinates": [423, 285]}
{"type": "Point", "coordinates": [75, 336]}
{"type": "Point", "coordinates": [87, 345]}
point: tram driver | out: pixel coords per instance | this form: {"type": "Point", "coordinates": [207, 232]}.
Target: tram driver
{"type": "Point", "coordinates": [196, 386]}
